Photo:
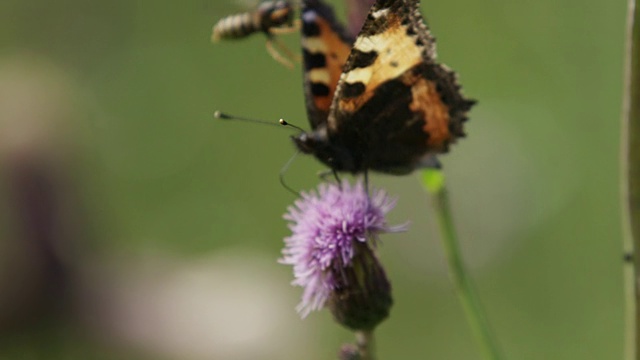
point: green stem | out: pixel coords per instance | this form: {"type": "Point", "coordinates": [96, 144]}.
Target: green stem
{"type": "Point", "coordinates": [433, 180]}
{"type": "Point", "coordinates": [364, 341]}
{"type": "Point", "coordinates": [630, 180]}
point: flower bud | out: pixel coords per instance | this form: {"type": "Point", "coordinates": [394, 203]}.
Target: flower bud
{"type": "Point", "coordinates": [361, 298]}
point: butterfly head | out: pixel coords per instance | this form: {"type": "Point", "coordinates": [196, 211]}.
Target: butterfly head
{"type": "Point", "coordinates": [333, 155]}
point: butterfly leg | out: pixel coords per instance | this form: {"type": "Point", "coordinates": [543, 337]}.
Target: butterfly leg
{"type": "Point", "coordinates": [366, 183]}
{"type": "Point", "coordinates": [276, 55]}
{"type": "Point", "coordinates": [325, 174]}
{"type": "Point", "coordinates": [337, 177]}
{"type": "Point", "coordinates": [284, 170]}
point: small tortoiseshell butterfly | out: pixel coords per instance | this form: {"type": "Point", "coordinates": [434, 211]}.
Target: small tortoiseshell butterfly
{"type": "Point", "coordinates": [383, 103]}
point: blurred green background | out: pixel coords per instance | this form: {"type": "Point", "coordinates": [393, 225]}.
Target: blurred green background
{"type": "Point", "coordinates": [135, 226]}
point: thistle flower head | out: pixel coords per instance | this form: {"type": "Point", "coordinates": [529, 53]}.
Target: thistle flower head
{"type": "Point", "coordinates": [332, 228]}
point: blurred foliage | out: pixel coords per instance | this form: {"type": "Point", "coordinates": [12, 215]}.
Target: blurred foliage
{"type": "Point", "coordinates": [534, 186]}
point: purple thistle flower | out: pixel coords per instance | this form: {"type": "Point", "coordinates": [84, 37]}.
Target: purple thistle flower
{"type": "Point", "coordinates": [332, 228]}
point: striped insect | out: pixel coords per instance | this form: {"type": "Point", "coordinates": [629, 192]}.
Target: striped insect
{"type": "Point", "coordinates": [270, 18]}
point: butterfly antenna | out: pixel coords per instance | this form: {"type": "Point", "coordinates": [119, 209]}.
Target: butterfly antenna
{"type": "Point", "coordinates": [224, 116]}
{"type": "Point", "coordinates": [220, 115]}
{"type": "Point", "coordinates": [284, 170]}
{"type": "Point", "coordinates": [284, 123]}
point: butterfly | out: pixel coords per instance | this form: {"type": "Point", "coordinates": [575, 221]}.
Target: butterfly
{"type": "Point", "coordinates": [381, 102]}
{"type": "Point", "coordinates": [270, 17]}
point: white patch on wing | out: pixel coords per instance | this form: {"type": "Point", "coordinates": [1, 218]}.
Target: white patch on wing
{"type": "Point", "coordinates": [380, 13]}
{"type": "Point", "coordinates": [314, 45]}
{"type": "Point", "coordinates": [319, 76]}
{"type": "Point", "coordinates": [362, 75]}
{"type": "Point", "coordinates": [397, 53]}
{"type": "Point", "coordinates": [368, 43]}
{"type": "Point", "coordinates": [394, 47]}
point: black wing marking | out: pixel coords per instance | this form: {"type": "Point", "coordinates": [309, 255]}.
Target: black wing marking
{"type": "Point", "coordinates": [325, 48]}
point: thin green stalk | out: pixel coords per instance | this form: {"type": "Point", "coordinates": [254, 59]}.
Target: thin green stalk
{"type": "Point", "coordinates": [630, 180]}
{"type": "Point", "coordinates": [433, 181]}
{"type": "Point", "coordinates": [364, 341]}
